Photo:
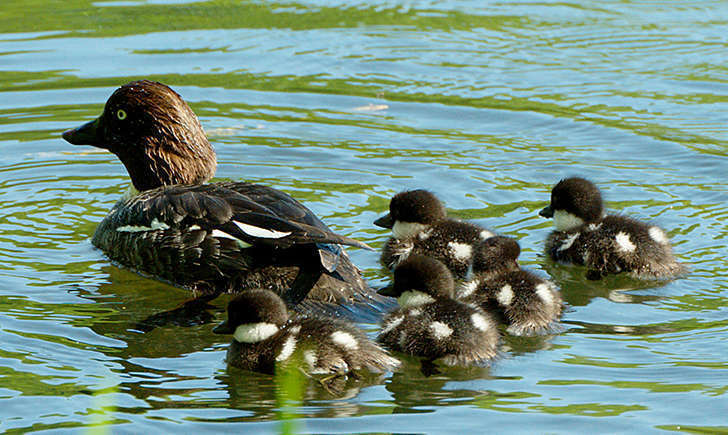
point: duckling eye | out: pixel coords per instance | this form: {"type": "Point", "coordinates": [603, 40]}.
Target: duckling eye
{"type": "Point", "coordinates": [121, 114]}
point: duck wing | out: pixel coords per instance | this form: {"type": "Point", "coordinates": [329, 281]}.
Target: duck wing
{"type": "Point", "coordinates": [265, 217]}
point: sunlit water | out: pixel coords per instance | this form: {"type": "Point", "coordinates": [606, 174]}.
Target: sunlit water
{"type": "Point", "coordinates": [342, 104]}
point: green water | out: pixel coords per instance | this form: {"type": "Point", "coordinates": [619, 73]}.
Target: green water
{"type": "Point", "coordinates": [342, 104]}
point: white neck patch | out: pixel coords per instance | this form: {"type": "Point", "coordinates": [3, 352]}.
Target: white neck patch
{"type": "Point", "coordinates": [414, 298]}
{"type": "Point", "coordinates": [254, 332]}
{"type": "Point", "coordinates": [564, 221]}
{"type": "Point", "coordinates": [406, 230]}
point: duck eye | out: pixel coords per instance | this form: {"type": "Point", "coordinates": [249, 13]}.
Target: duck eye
{"type": "Point", "coordinates": [121, 114]}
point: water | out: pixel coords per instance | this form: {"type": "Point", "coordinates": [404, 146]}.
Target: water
{"type": "Point", "coordinates": [342, 104]}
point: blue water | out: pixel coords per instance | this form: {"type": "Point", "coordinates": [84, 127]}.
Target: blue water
{"type": "Point", "coordinates": [342, 104]}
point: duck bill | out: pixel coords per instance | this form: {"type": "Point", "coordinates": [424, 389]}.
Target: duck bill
{"type": "Point", "coordinates": [86, 134]}
{"type": "Point", "coordinates": [547, 212]}
{"type": "Point", "coordinates": [223, 328]}
{"type": "Point", "coordinates": [387, 291]}
{"type": "Point", "coordinates": [385, 221]}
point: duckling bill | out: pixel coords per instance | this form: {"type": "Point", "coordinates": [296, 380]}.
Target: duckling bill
{"type": "Point", "coordinates": [210, 238]}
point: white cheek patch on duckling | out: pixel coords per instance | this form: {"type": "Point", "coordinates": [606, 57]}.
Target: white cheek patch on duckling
{"type": "Point", "coordinates": [413, 298]}
{"type": "Point", "coordinates": [406, 230]}
{"type": "Point", "coordinates": [624, 243]}
{"type": "Point", "coordinates": [440, 330]}
{"type": "Point", "coordinates": [393, 323]}
{"type": "Point", "coordinates": [658, 235]}
{"type": "Point", "coordinates": [593, 226]}
{"type": "Point", "coordinates": [289, 346]}
{"type": "Point", "coordinates": [223, 235]}
{"type": "Point", "coordinates": [155, 226]}
{"type": "Point", "coordinates": [563, 220]}
{"type": "Point", "coordinates": [566, 244]}
{"type": "Point", "coordinates": [543, 291]}
{"type": "Point", "coordinates": [468, 288]}
{"type": "Point", "coordinates": [262, 233]}
{"type": "Point", "coordinates": [480, 322]}
{"type": "Point", "coordinates": [254, 332]}
{"type": "Point", "coordinates": [505, 295]}
{"type": "Point", "coordinates": [345, 340]}
{"type": "Point", "coordinates": [461, 251]}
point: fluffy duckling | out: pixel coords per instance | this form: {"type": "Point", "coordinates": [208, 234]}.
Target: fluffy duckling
{"type": "Point", "coordinates": [604, 244]}
{"type": "Point", "coordinates": [263, 335]}
{"type": "Point", "coordinates": [420, 225]}
{"type": "Point", "coordinates": [430, 323]}
{"type": "Point", "coordinates": [527, 303]}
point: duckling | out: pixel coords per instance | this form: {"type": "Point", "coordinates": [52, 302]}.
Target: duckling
{"type": "Point", "coordinates": [210, 238]}
{"type": "Point", "coordinates": [264, 335]}
{"type": "Point", "coordinates": [420, 225]}
{"type": "Point", "coordinates": [527, 303]}
{"type": "Point", "coordinates": [604, 244]}
{"type": "Point", "coordinates": [430, 323]}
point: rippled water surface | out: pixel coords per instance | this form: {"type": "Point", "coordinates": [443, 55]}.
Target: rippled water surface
{"type": "Point", "coordinates": [342, 103]}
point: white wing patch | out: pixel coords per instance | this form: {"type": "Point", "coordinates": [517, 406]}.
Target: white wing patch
{"type": "Point", "coordinates": [544, 292]}
{"type": "Point", "coordinates": [155, 226]}
{"type": "Point", "coordinates": [425, 234]}
{"type": "Point", "coordinates": [223, 235]}
{"type": "Point", "coordinates": [461, 251]}
{"type": "Point", "coordinates": [393, 323]}
{"type": "Point", "coordinates": [468, 288]}
{"type": "Point", "coordinates": [414, 312]}
{"type": "Point", "coordinates": [505, 295]}
{"type": "Point", "coordinates": [480, 322]}
{"type": "Point", "coordinates": [624, 243]}
{"type": "Point", "coordinates": [310, 358]}
{"type": "Point", "coordinates": [254, 332]}
{"type": "Point", "coordinates": [566, 244]}
{"type": "Point", "coordinates": [288, 348]}
{"type": "Point", "coordinates": [440, 330]}
{"type": "Point", "coordinates": [262, 233]}
{"type": "Point", "coordinates": [658, 235]}
{"type": "Point", "coordinates": [345, 340]}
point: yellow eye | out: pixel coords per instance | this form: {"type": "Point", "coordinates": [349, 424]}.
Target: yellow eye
{"type": "Point", "coordinates": [121, 114]}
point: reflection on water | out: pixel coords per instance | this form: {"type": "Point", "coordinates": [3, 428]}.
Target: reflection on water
{"type": "Point", "coordinates": [343, 103]}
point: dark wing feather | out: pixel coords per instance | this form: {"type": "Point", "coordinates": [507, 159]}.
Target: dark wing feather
{"type": "Point", "coordinates": [280, 203]}
{"type": "Point", "coordinates": [218, 207]}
